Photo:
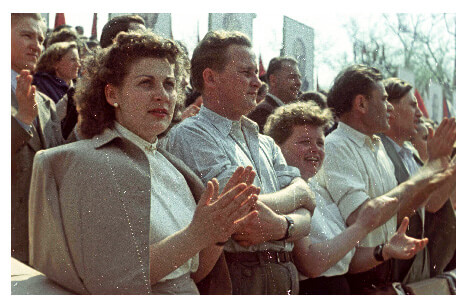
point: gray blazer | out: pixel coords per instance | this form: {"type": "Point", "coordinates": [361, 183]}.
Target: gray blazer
{"type": "Point", "coordinates": [416, 229]}
{"type": "Point", "coordinates": [90, 208]}
{"type": "Point", "coordinates": [46, 134]}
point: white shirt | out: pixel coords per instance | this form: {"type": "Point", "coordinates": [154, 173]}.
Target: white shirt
{"type": "Point", "coordinates": [326, 224]}
{"type": "Point", "coordinates": [211, 146]}
{"type": "Point", "coordinates": [356, 168]}
{"type": "Point", "coordinates": [172, 204]}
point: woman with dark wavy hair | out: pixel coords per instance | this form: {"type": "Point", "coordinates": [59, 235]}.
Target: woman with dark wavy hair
{"type": "Point", "coordinates": [56, 69]}
{"type": "Point", "coordinates": [113, 213]}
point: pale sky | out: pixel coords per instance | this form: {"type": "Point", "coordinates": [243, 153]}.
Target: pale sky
{"type": "Point", "coordinates": [267, 32]}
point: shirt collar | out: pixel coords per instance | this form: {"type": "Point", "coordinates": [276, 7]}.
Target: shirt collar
{"type": "Point", "coordinates": [403, 150]}
{"type": "Point", "coordinates": [147, 147]}
{"type": "Point", "coordinates": [223, 124]}
{"type": "Point", "coordinates": [276, 99]}
{"type": "Point", "coordinates": [13, 80]}
{"type": "Point", "coordinates": [357, 137]}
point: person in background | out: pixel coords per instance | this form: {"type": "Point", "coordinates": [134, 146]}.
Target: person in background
{"type": "Point", "coordinates": [118, 24]}
{"type": "Point", "coordinates": [283, 77]}
{"type": "Point", "coordinates": [419, 141]}
{"type": "Point", "coordinates": [57, 69]}
{"type": "Point", "coordinates": [158, 233]}
{"type": "Point", "coordinates": [318, 97]}
{"type": "Point", "coordinates": [262, 92]}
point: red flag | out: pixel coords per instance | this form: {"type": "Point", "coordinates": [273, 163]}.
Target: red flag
{"type": "Point", "coordinates": [59, 19]}
{"type": "Point", "coordinates": [262, 71]}
{"type": "Point", "coordinates": [94, 27]}
{"type": "Point", "coordinates": [445, 109]}
{"type": "Point", "coordinates": [421, 104]}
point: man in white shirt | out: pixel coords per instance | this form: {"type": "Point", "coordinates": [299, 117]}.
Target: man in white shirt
{"type": "Point", "coordinates": [284, 83]}
{"type": "Point", "coordinates": [34, 123]}
{"type": "Point", "coordinates": [357, 169]}
{"type": "Point", "coordinates": [219, 139]}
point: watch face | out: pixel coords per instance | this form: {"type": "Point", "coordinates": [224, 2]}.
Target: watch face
{"type": "Point", "coordinates": [291, 227]}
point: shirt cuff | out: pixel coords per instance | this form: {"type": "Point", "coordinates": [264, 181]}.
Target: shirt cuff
{"type": "Point", "coordinates": [26, 127]}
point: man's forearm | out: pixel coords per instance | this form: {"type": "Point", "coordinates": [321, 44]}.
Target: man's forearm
{"type": "Point", "coordinates": [297, 195]}
{"type": "Point", "coordinates": [439, 197]}
{"type": "Point", "coordinates": [302, 224]}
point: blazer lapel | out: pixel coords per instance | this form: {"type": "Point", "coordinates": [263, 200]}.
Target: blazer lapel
{"type": "Point", "coordinates": [401, 172]}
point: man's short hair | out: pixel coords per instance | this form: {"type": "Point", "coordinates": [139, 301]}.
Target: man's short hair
{"type": "Point", "coordinates": [65, 34]}
{"type": "Point", "coordinates": [279, 125]}
{"type": "Point", "coordinates": [16, 16]}
{"type": "Point", "coordinates": [276, 65]}
{"type": "Point", "coordinates": [396, 88]}
{"type": "Point", "coordinates": [352, 81]}
{"type": "Point", "coordinates": [211, 53]}
{"type": "Point", "coordinates": [116, 25]}
{"type": "Point", "coordinates": [315, 96]}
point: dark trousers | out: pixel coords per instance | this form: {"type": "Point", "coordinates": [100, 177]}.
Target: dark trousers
{"type": "Point", "coordinates": [335, 285]}
{"type": "Point", "coordinates": [263, 278]}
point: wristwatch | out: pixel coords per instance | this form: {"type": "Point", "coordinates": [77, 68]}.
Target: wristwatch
{"type": "Point", "coordinates": [378, 253]}
{"type": "Point", "coordinates": [290, 228]}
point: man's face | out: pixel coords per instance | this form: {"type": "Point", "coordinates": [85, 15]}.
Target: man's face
{"type": "Point", "coordinates": [286, 82]}
{"type": "Point", "coordinates": [26, 41]}
{"type": "Point", "coordinates": [379, 110]}
{"type": "Point", "coordinates": [405, 117]}
{"type": "Point", "coordinates": [238, 83]}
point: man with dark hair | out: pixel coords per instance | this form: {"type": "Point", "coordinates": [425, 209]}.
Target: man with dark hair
{"type": "Point", "coordinates": [219, 139]}
{"type": "Point", "coordinates": [283, 78]}
{"type": "Point", "coordinates": [356, 168]}
{"type": "Point", "coordinates": [34, 124]}
{"type": "Point", "coordinates": [119, 24]}
{"type": "Point", "coordinates": [403, 127]}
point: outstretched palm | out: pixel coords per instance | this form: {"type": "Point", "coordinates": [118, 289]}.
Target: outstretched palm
{"type": "Point", "coordinates": [401, 246]}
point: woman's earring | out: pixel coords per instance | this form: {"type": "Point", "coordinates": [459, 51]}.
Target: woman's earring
{"type": "Point", "coordinates": [115, 105]}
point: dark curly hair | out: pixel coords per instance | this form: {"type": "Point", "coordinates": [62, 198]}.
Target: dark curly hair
{"type": "Point", "coordinates": [110, 66]}
{"type": "Point", "coordinates": [279, 125]}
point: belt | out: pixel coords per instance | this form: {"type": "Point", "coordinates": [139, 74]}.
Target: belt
{"type": "Point", "coordinates": [267, 256]}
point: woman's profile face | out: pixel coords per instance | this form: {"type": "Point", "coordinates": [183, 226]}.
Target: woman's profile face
{"type": "Point", "coordinates": [146, 97]}
{"type": "Point", "coordinates": [68, 66]}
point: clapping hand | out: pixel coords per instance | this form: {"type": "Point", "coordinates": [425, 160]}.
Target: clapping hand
{"type": "Point", "coordinates": [25, 94]}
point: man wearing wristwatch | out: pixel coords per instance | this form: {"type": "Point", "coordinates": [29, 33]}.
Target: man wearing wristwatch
{"type": "Point", "coordinates": [220, 138]}
{"type": "Point", "coordinates": [357, 169]}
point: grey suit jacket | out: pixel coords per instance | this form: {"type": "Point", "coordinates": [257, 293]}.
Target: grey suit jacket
{"type": "Point", "coordinates": [261, 113]}
{"type": "Point", "coordinates": [46, 134]}
{"type": "Point", "coordinates": [416, 227]}
{"type": "Point", "coordinates": [91, 204]}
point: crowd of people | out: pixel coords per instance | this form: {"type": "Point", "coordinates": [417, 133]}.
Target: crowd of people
{"type": "Point", "coordinates": [137, 170]}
